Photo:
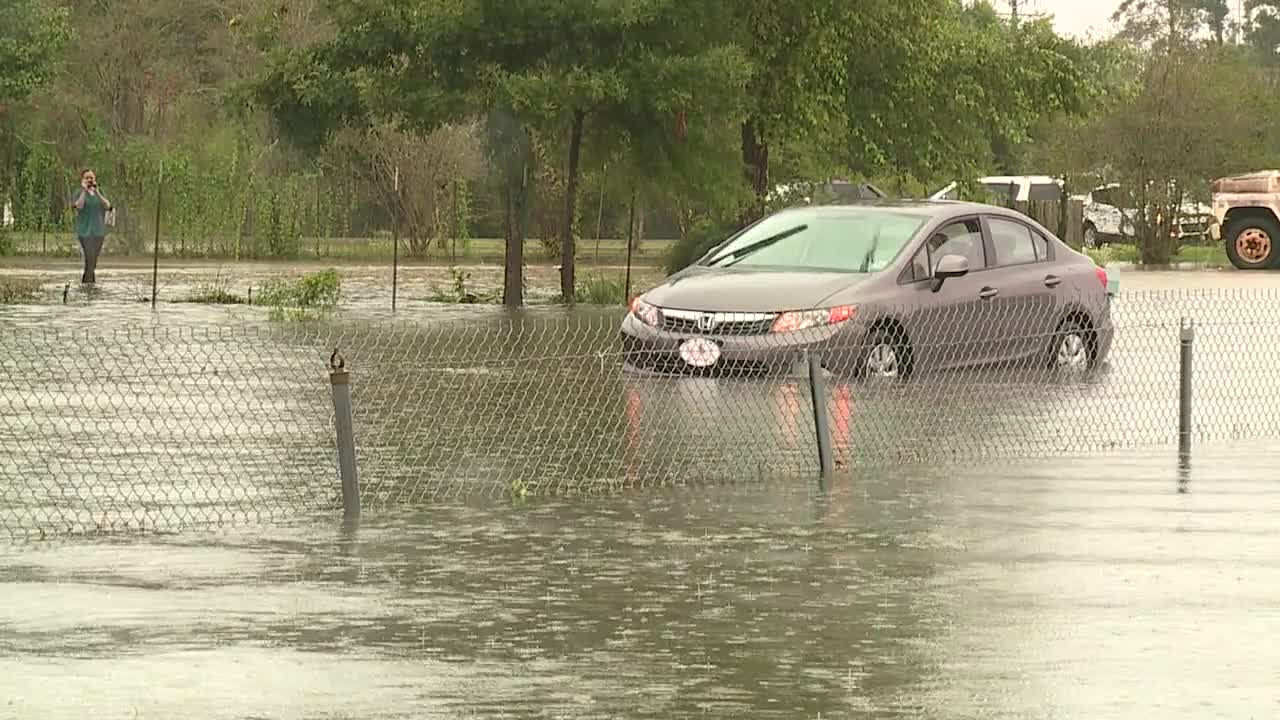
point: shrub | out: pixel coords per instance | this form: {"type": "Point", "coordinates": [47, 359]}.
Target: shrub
{"type": "Point", "coordinates": [217, 292]}
{"type": "Point", "coordinates": [601, 290]}
{"type": "Point", "coordinates": [458, 291]}
{"type": "Point", "coordinates": [705, 234]}
{"type": "Point", "coordinates": [303, 298]}
{"type": "Point", "coordinates": [18, 290]}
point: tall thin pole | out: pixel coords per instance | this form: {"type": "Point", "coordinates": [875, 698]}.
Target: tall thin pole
{"type": "Point", "coordinates": [155, 255]}
{"type": "Point", "coordinates": [631, 241]}
{"type": "Point", "coordinates": [340, 380]}
{"type": "Point", "coordinates": [1186, 337]}
{"type": "Point", "coordinates": [604, 180]}
{"type": "Point", "coordinates": [395, 239]}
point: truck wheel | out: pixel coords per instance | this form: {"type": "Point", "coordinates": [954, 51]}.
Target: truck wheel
{"type": "Point", "coordinates": [1253, 242]}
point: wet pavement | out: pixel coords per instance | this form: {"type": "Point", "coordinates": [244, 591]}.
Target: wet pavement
{"type": "Point", "coordinates": [1086, 588]}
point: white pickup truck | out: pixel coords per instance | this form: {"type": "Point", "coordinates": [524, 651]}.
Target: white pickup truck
{"type": "Point", "coordinates": [1109, 217]}
{"type": "Point", "coordinates": [1108, 212]}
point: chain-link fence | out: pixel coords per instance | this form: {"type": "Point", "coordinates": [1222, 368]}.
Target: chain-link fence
{"type": "Point", "coordinates": [141, 429]}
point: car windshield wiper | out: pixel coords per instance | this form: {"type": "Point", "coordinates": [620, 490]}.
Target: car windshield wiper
{"type": "Point", "coordinates": [871, 253]}
{"type": "Point", "coordinates": [756, 246]}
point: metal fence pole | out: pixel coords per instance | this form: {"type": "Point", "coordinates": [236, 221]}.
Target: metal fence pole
{"type": "Point", "coordinates": [1187, 338]}
{"type": "Point", "coordinates": [395, 240]}
{"type": "Point", "coordinates": [340, 379]}
{"type": "Point", "coordinates": [821, 424]}
{"type": "Point", "coordinates": [155, 254]}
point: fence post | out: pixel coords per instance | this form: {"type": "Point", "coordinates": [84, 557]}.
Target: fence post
{"type": "Point", "coordinates": [340, 379]}
{"type": "Point", "coordinates": [1186, 338]}
{"type": "Point", "coordinates": [155, 253]}
{"type": "Point", "coordinates": [821, 424]}
{"type": "Point", "coordinates": [395, 240]}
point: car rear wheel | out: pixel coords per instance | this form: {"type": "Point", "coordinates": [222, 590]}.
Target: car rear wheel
{"type": "Point", "coordinates": [1253, 242]}
{"type": "Point", "coordinates": [1072, 348]}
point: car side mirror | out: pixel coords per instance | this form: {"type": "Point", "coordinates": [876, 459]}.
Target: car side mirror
{"type": "Point", "coordinates": [949, 266]}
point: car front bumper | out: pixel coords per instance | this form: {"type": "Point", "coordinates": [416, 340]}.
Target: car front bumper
{"type": "Point", "coordinates": [651, 348]}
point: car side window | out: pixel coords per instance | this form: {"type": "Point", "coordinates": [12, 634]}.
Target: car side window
{"type": "Point", "coordinates": [920, 265]}
{"type": "Point", "coordinates": [1013, 242]}
{"type": "Point", "coordinates": [962, 238]}
{"type": "Point", "coordinates": [1041, 244]}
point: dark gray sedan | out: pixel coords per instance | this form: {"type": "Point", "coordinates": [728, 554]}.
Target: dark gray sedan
{"type": "Point", "coordinates": [884, 289]}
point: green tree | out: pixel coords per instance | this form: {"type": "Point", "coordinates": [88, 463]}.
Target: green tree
{"type": "Point", "coordinates": [1168, 24]}
{"type": "Point", "coordinates": [963, 102]}
{"type": "Point", "coordinates": [530, 66]}
{"type": "Point", "coordinates": [1262, 30]}
{"type": "Point", "coordinates": [1180, 127]}
{"type": "Point", "coordinates": [32, 38]}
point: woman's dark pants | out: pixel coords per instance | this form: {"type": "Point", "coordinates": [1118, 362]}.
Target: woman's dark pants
{"type": "Point", "coordinates": [90, 248]}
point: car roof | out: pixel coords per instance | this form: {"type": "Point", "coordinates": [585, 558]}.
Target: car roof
{"type": "Point", "coordinates": [923, 208]}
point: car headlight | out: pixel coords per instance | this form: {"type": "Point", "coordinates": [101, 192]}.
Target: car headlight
{"type": "Point", "coordinates": [647, 314]}
{"type": "Point", "coordinates": [805, 319]}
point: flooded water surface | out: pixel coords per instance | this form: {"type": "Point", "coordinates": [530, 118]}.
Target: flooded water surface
{"type": "Point", "coordinates": [1097, 588]}
{"type": "Point", "coordinates": [545, 536]}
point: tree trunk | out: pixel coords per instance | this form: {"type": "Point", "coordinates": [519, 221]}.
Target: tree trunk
{"type": "Point", "coordinates": [641, 213]}
{"type": "Point", "coordinates": [604, 181]}
{"type": "Point", "coordinates": [567, 249]}
{"type": "Point", "coordinates": [635, 221]}
{"type": "Point", "coordinates": [513, 234]}
{"type": "Point", "coordinates": [755, 158]}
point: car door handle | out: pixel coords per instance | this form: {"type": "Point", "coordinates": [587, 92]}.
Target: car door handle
{"type": "Point", "coordinates": [1052, 281]}
{"type": "Point", "coordinates": [988, 292]}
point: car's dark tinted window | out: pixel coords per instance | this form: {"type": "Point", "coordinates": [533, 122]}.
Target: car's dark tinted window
{"type": "Point", "coordinates": [1014, 243]}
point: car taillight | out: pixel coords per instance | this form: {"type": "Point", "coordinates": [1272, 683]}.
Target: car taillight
{"type": "Point", "coordinates": [648, 314]}
{"type": "Point", "coordinates": [1102, 276]}
{"type": "Point", "coordinates": [805, 319]}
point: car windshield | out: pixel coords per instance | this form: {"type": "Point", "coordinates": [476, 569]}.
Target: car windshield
{"type": "Point", "coordinates": [849, 240]}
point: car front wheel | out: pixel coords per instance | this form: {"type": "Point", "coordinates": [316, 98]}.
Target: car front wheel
{"type": "Point", "coordinates": [887, 355]}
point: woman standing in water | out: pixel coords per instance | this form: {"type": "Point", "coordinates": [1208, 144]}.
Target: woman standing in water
{"type": "Point", "coordinates": [91, 222]}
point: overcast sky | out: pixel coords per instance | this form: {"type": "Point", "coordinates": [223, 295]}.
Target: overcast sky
{"type": "Point", "coordinates": [1084, 17]}
{"type": "Point", "coordinates": [1079, 17]}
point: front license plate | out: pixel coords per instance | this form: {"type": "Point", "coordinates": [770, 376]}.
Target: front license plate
{"type": "Point", "coordinates": [699, 352]}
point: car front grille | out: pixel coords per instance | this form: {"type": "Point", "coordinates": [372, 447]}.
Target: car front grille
{"type": "Point", "coordinates": [719, 324]}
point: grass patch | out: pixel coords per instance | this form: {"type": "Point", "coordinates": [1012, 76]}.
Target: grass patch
{"type": "Point", "coordinates": [309, 297]}
{"type": "Point", "coordinates": [1107, 254]}
{"type": "Point", "coordinates": [458, 293]}
{"type": "Point", "coordinates": [1201, 255]}
{"type": "Point", "coordinates": [15, 290]}
{"type": "Point", "coordinates": [216, 292]}
{"type": "Point", "coordinates": [598, 289]}
{"type": "Point", "coordinates": [1205, 255]}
